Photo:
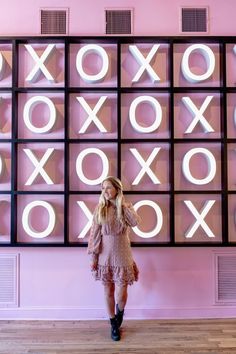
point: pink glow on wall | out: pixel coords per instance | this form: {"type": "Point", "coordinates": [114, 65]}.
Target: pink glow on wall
{"type": "Point", "coordinates": [56, 283]}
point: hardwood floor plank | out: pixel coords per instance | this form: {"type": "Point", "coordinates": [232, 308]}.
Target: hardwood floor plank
{"type": "Point", "coordinates": [137, 337]}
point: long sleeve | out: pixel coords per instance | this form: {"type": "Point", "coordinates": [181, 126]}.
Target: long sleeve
{"type": "Point", "coordinates": [131, 217]}
{"type": "Point", "coordinates": [95, 238]}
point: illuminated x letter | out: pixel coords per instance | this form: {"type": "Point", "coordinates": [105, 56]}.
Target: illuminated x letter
{"type": "Point", "coordinates": [89, 216]}
{"type": "Point", "coordinates": [145, 166]}
{"type": "Point", "coordinates": [199, 218]}
{"type": "Point", "coordinates": [39, 66]}
{"type": "Point", "coordinates": [145, 62]}
{"type": "Point", "coordinates": [39, 166]}
{"type": "Point", "coordinates": [92, 117]}
{"type": "Point", "coordinates": [198, 114]}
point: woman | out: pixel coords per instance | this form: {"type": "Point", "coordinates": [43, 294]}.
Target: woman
{"type": "Point", "coordinates": [109, 246]}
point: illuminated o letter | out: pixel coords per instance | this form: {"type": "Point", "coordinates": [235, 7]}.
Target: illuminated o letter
{"type": "Point", "coordinates": [207, 53]}
{"type": "Point", "coordinates": [87, 49]}
{"type": "Point", "coordinates": [159, 215]}
{"type": "Point", "coordinates": [156, 106]}
{"type": "Point", "coordinates": [105, 166]}
{"type": "Point", "coordinates": [26, 222]}
{"type": "Point", "coordinates": [28, 109]}
{"type": "Point", "coordinates": [211, 166]}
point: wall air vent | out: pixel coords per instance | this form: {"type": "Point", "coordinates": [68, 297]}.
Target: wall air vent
{"type": "Point", "coordinates": [54, 22]}
{"type": "Point", "coordinates": [118, 21]}
{"type": "Point", "coordinates": [226, 278]}
{"type": "Point", "coordinates": [8, 280]}
{"type": "Point", "coordinates": [194, 19]}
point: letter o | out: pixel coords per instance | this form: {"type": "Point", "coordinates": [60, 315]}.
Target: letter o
{"type": "Point", "coordinates": [210, 60]}
{"type": "Point", "coordinates": [211, 166]}
{"type": "Point", "coordinates": [85, 50]}
{"type": "Point", "coordinates": [25, 219]}
{"type": "Point", "coordinates": [79, 169]}
{"type": "Point", "coordinates": [156, 106]}
{"type": "Point", "coordinates": [28, 109]}
{"type": "Point", "coordinates": [159, 215]}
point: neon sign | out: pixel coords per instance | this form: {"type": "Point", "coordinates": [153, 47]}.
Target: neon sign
{"type": "Point", "coordinates": [74, 113]}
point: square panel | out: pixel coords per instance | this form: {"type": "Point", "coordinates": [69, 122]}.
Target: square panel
{"type": "Point", "coordinates": [41, 115]}
{"type": "Point", "coordinates": [40, 218]}
{"type": "Point", "coordinates": [196, 64]}
{"type": "Point", "coordinates": [42, 64]}
{"type": "Point", "coordinates": [6, 64]}
{"type": "Point", "coordinates": [198, 218]}
{"type": "Point", "coordinates": [145, 65]}
{"type": "Point", "coordinates": [90, 164]}
{"type": "Point", "coordinates": [93, 64]}
{"type": "Point", "coordinates": [93, 116]}
{"type": "Point", "coordinates": [40, 166]}
{"type": "Point", "coordinates": [197, 166]}
{"type": "Point", "coordinates": [5, 166]}
{"type": "Point", "coordinates": [145, 116]}
{"type": "Point", "coordinates": [145, 166]}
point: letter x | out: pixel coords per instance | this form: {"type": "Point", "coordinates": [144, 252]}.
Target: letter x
{"type": "Point", "coordinates": [145, 62]}
{"type": "Point", "coordinates": [39, 63]}
{"type": "Point", "coordinates": [89, 216]}
{"type": "Point", "coordinates": [38, 166]}
{"type": "Point", "coordinates": [145, 166]}
{"type": "Point", "coordinates": [199, 218]}
{"type": "Point", "coordinates": [198, 114]}
{"type": "Point", "coordinates": [92, 114]}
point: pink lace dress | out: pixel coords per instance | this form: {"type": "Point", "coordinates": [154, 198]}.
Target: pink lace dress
{"type": "Point", "coordinates": [110, 243]}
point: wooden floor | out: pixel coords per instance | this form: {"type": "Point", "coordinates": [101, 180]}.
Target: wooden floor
{"type": "Point", "coordinates": [138, 337]}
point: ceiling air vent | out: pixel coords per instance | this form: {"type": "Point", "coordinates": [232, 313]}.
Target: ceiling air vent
{"type": "Point", "coordinates": [226, 278]}
{"type": "Point", "coordinates": [54, 22]}
{"type": "Point", "coordinates": [194, 20]}
{"type": "Point", "coordinates": [118, 21]}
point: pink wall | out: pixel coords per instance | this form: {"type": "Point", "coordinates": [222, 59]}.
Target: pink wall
{"type": "Point", "coordinates": [174, 282]}
{"type": "Point", "coordinates": [154, 18]}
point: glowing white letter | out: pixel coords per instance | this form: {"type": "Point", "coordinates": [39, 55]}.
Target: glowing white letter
{"type": "Point", "coordinates": [199, 218]}
{"type": "Point", "coordinates": [156, 106]}
{"type": "Point", "coordinates": [105, 166]}
{"type": "Point", "coordinates": [85, 50]}
{"type": "Point", "coordinates": [39, 66]}
{"type": "Point", "coordinates": [92, 114]}
{"type": "Point", "coordinates": [159, 215]}
{"type": "Point", "coordinates": [210, 60]}
{"type": "Point", "coordinates": [145, 166]}
{"type": "Point", "coordinates": [27, 224]}
{"type": "Point", "coordinates": [198, 114]}
{"type": "Point", "coordinates": [28, 109]}
{"type": "Point", "coordinates": [89, 216]}
{"type": "Point", "coordinates": [211, 166]}
{"type": "Point", "coordinates": [145, 62]}
{"type": "Point", "coordinates": [38, 166]}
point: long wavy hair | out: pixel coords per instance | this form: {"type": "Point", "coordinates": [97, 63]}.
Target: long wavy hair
{"type": "Point", "coordinates": [101, 211]}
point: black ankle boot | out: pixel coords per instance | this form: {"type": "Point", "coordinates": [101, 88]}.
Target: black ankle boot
{"type": "Point", "coordinates": [119, 316]}
{"type": "Point", "coordinates": [115, 332]}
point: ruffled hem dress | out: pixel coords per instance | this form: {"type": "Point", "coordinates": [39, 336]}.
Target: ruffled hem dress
{"type": "Point", "coordinates": [109, 244]}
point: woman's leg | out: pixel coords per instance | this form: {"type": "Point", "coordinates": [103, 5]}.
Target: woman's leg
{"type": "Point", "coordinates": [121, 296]}
{"type": "Point", "coordinates": [109, 293]}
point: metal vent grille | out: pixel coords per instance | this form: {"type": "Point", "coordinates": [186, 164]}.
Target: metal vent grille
{"type": "Point", "coordinates": [53, 21]}
{"type": "Point", "coordinates": [118, 21]}
{"type": "Point", "coordinates": [8, 280]}
{"type": "Point", "coordinates": [194, 20]}
{"type": "Point", "coordinates": [226, 278]}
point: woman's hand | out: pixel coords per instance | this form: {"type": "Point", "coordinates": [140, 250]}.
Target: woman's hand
{"type": "Point", "coordinates": [94, 263]}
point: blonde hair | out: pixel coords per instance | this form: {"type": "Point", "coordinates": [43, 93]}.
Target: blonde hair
{"type": "Point", "coordinates": [101, 211]}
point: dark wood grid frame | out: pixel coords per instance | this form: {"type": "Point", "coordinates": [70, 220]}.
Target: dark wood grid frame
{"type": "Point", "coordinates": [222, 90]}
